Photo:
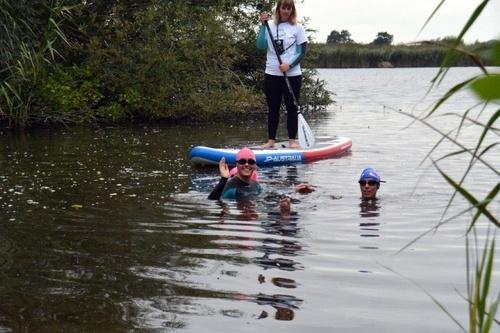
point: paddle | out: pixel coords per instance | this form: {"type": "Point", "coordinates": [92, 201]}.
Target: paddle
{"type": "Point", "coordinates": [306, 136]}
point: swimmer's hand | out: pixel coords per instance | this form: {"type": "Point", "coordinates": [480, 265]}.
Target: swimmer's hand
{"type": "Point", "coordinates": [304, 188]}
{"type": "Point", "coordinates": [285, 205]}
{"type": "Point", "coordinates": [223, 168]}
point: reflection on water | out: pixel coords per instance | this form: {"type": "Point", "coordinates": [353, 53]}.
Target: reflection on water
{"type": "Point", "coordinates": [284, 305]}
{"type": "Point", "coordinates": [369, 208]}
{"type": "Point", "coordinates": [369, 225]}
{"type": "Point", "coordinates": [7, 249]}
{"type": "Point", "coordinates": [225, 236]}
{"type": "Point", "coordinates": [275, 241]}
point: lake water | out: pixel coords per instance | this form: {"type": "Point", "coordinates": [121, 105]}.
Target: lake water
{"type": "Point", "coordinates": [109, 229]}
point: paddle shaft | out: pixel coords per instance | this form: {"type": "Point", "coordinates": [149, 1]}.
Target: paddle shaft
{"type": "Point", "coordinates": [284, 73]}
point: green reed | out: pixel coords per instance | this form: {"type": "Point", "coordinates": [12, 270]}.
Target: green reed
{"type": "Point", "coordinates": [482, 301]}
{"type": "Point", "coordinates": [481, 312]}
{"type": "Point", "coordinates": [423, 54]}
{"type": "Point", "coordinates": [27, 48]}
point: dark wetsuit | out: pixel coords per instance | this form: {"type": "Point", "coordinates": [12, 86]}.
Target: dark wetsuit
{"type": "Point", "coordinates": [235, 188]}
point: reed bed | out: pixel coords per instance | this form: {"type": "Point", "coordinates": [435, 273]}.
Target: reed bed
{"type": "Point", "coordinates": [371, 56]}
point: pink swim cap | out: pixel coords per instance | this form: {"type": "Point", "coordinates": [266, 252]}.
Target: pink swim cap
{"type": "Point", "coordinates": [245, 153]}
{"type": "Point", "coordinates": [234, 171]}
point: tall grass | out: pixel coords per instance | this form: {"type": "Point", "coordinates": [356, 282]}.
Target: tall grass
{"type": "Point", "coordinates": [424, 54]}
{"type": "Point", "coordinates": [479, 275]}
{"type": "Point", "coordinates": [26, 49]}
{"type": "Point", "coordinates": [482, 301]}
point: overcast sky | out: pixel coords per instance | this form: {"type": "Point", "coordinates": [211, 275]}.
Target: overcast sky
{"type": "Point", "coordinates": [401, 18]}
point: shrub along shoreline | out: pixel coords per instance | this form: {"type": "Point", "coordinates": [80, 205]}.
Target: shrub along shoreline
{"type": "Point", "coordinates": [72, 62]}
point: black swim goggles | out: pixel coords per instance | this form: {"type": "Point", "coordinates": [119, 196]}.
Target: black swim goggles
{"type": "Point", "coordinates": [244, 161]}
{"type": "Point", "coordinates": [369, 182]}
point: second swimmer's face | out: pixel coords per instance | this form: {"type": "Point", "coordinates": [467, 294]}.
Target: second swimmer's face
{"type": "Point", "coordinates": [368, 188]}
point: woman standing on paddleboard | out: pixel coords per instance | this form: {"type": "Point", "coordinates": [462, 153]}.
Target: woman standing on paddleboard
{"type": "Point", "coordinates": [289, 42]}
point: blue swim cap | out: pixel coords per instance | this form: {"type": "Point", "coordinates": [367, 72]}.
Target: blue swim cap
{"type": "Point", "coordinates": [369, 173]}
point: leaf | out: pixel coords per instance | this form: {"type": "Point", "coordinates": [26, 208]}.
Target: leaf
{"type": "Point", "coordinates": [471, 20]}
{"type": "Point", "coordinates": [447, 61]}
{"type": "Point", "coordinates": [492, 195]}
{"type": "Point", "coordinates": [449, 94]}
{"type": "Point", "coordinates": [491, 315]}
{"type": "Point", "coordinates": [76, 206]}
{"type": "Point", "coordinates": [431, 16]}
{"type": "Point", "coordinates": [455, 142]}
{"type": "Point", "coordinates": [487, 87]}
{"type": "Point", "coordinates": [481, 206]}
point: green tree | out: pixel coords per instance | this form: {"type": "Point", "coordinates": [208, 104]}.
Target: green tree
{"type": "Point", "coordinates": [342, 37]}
{"type": "Point", "coordinates": [383, 38]}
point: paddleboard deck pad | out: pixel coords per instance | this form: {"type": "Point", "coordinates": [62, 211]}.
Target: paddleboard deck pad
{"type": "Point", "coordinates": [326, 147]}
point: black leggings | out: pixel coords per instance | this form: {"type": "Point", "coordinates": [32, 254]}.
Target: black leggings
{"type": "Point", "coordinates": [275, 88]}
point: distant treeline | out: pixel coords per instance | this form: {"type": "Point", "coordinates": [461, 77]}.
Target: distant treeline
{"type": "Point", "coordinates": [373, 56]}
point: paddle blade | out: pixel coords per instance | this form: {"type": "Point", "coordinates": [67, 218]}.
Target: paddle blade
{"type": "Point", "coordinates": [306, 136]}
